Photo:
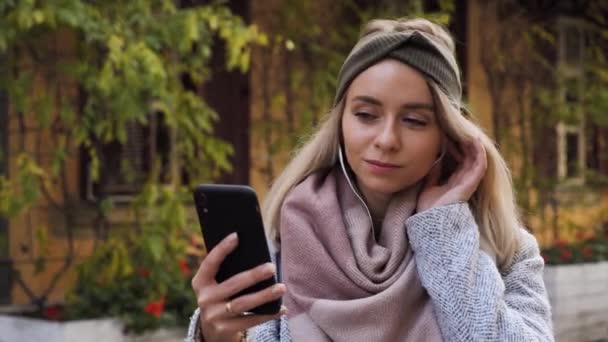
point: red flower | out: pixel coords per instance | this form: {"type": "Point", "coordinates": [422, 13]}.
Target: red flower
{"type": "Point", "coordinates": [52, 313]}
{"type": "Point", "coordinates": [587, 252]}
{"type": "Point", "coordinates": [156, 308]}
{"type": "Point", "coordinates": [565, 255]}
{"type": "Point", "coordinates": [183, 265]}
{"type": "Point", "coordinates": [144, 272]}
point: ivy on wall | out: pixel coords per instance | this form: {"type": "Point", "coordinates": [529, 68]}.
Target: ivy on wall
{"type": "Point", "coordinates": [79, 75]}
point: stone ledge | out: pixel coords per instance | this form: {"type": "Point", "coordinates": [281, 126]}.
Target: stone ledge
{"type": "Point", "coordinates": [15, 328]}
{"type": "Point", "coordinates": [579, 301]}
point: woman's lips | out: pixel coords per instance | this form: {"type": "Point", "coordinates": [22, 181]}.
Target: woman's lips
{"type": "Point", "coordinates": [381, 167]}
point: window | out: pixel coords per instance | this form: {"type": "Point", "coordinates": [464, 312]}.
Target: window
{"type": "Point", "coordinates": [570, 130]}
{"type": "Point", "coordinates": [571, 45]}
{"type": "Point", "coordinates": [572, 155]}
{"type": "Point", "coordinates": [571, 134]}
{"type": "Point", "coordinates": [124, 168]}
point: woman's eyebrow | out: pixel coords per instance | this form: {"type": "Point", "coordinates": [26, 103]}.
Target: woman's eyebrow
{"type": "Point", "coordinates": [368, 99]}
{"type": "Point", "coordinates": [418, 105]}
{"type": "Point", "coordinates": [409, 105]}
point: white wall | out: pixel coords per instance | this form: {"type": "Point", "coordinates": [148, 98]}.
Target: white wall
{"type": "Point", "coordinates": [579, 300]}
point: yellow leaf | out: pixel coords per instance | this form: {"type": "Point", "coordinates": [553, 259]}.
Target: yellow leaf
{"type": "Point", "coordinates": [38, 16]}
{"type": "Point", "coordinates": [115, 42]}
{"type": "Point", "coordinates": [289, 45]}
{"type": "Point", "coordinates": [213, 23]}
{"type": "Point", "coordinates": [262, 39]}
{"type": "Point", "coordinates": [42, 238]}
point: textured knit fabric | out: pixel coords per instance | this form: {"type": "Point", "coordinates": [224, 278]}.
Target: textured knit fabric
{"type": "Point", "coordinates": [472, 299]}
{"type": "Point", "coordinates": [410, 47]}
{"type": "Point", "coordinates": [343, 283]}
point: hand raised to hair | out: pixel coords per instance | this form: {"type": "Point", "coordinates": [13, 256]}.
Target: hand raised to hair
{"type": "Point", "coordinates": [461, 185]}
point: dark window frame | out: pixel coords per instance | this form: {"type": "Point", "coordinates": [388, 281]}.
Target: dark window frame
{"type": "Point", "coordinates": [146, 143]}
{"type": "Point", "coordinates": [572, 141]}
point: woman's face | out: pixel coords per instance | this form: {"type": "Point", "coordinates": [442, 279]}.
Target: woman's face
{"type": "Point", "coordinates": [391, 135]}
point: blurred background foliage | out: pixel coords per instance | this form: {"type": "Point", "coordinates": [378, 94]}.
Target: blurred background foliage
{"type": "Point", "coordinates": [125, 68]}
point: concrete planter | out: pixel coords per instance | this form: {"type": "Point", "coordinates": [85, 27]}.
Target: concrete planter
{"type": "Point", "coordinates": [161, 335]}
{"type": "Point", "coordinates": [579, 300]}
{"type": "Point", "coordinates": [99, 330]}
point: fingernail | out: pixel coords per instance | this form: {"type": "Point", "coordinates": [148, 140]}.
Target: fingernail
{"type": "Point", "coordinates": [270, 268]}
{"type": "Point", "coordinates": [278, 288]}
{"type": "Point", "coordinates": [233, 237]}
{"type": "Point", "coordinates": [283, 309]}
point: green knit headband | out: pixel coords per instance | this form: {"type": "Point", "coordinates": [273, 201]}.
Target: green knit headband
{"type": "Point", "coordinates": [409, 47]}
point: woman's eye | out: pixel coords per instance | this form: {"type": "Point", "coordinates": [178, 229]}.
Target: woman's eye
{"type": "Point", "coordinates": [414, 122]}
{"type": "Point", "coordinates": [365, 116]}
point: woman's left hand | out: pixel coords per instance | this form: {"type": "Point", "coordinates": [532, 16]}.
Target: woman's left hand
{"type": "Point", "coordinates": [461, 184]}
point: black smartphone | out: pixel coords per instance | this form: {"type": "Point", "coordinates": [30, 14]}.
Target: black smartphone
{"type": "Point", "coordinates": [225, 209]}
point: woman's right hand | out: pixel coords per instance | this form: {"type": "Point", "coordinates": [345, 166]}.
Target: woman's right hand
{"type": "Point", "coordinates": [221, 319]}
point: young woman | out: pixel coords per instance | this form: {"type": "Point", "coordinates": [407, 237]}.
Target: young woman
{"type": "Point", "coordinates": [396, 221]}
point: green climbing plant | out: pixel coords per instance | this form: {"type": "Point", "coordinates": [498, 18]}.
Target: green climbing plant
{"type": "Point", "coordinates": [79, 76]}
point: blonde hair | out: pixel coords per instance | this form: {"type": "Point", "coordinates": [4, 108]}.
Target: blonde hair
{"type": "Point", "coordinates": [493, 203]}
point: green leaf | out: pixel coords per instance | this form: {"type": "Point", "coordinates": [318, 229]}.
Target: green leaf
{"type": "Point", "coordinates": [156, 247]}
{"type": "Point", "coordinates": [38, 16]}
{"type": "Point", "coordinates": [58, 160]}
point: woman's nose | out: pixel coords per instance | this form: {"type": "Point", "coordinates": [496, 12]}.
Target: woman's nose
{"type": "Point", "coordinates": [388, 137]}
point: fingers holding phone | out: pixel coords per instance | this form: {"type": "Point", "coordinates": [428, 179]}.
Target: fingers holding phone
{"type": "Point", "coordinates": [211, 264]}
{"type": "Point", "coordinates": [221, 317]}
{"type": "Point", "coordinates": [224, 210]}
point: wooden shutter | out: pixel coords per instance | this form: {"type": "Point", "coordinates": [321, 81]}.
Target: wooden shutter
{"type": "Point", "coordinates": [124, 168]}
{"type": "Point", "coordinates": [228, 93]}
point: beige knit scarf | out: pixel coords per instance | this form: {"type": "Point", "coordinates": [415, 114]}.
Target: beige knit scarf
{"type": "Point", "coordinates": [342, 283]}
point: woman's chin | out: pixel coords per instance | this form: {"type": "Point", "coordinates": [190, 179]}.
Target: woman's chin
{"type": "Point", "coordinates": [384, 187]}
